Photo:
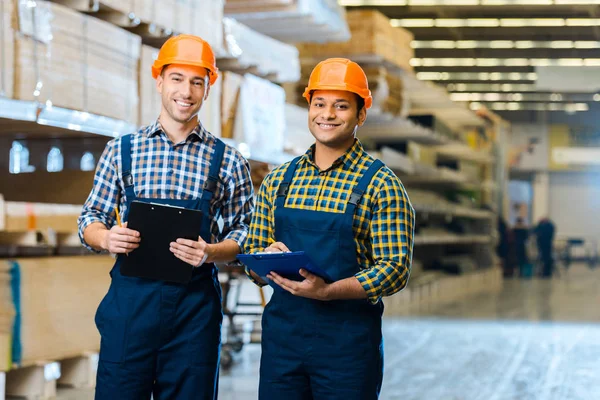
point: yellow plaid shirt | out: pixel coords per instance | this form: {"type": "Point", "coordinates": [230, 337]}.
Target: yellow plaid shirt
{"type": "Point", "coordinates": [383, 221]}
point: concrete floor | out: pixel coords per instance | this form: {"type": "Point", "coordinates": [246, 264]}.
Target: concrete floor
{"type": "Point", "coordinates": [535, 340]}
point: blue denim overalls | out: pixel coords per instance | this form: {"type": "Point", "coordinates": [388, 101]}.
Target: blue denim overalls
{"type": "Point", "coordinates": [321, 350]}
{"type": "Point", "coordinates": [160, 337]}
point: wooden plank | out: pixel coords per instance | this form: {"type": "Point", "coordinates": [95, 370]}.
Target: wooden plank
{"type": "Point", "coordinates": [5, 340]}
{"type": "Point", "coordinates": [31, 238]}
{"type": "Point", "coordinates": [36, 382]}
{"type": "Point", "coordinates": [2, 385]}
{"type": "Point", "coordinates": [40, 186]}
{"type": "Point", "coordinates": [79, 372]}
{"type": "Point", "coordinates": [53, 326]}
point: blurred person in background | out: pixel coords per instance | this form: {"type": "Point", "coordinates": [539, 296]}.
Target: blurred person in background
{"type": "Point", "coordinates": [544, 232]}
{"type": "Point", "coordinates": [521, 235]}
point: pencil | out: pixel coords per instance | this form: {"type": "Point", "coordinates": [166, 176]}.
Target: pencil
{"type": "Point", "coordinates": [119, 222]}
{"type": "Point", "coordinates": [118, 216]}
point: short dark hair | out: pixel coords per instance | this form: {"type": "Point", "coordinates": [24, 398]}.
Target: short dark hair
{"type": "Point", "coordinates": [360, 102]}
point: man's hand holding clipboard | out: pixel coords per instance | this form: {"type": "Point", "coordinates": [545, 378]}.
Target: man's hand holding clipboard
{"type": "Point", "coordinates": [312, 286]}
{"type": "Point", "coordinates": [119, 239]}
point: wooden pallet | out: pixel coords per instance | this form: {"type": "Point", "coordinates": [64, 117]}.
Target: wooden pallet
{"type": "Point", "coordinates": [34, 382]}
{"type": "Point", "coordinates": [40, 381]}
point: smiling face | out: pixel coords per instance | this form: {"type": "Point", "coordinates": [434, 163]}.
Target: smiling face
{"type": "Point", "coordinates": [183, 89]}
{"type": "Point", "coordinates": [333, 117]}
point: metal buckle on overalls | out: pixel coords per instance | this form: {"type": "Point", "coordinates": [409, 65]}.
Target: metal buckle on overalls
{"type": "Point", "coordinates": [210, 184]}
{"type": "Point", "coordinates": [128, 179]}
{"type": "Point", "coordinates": [282, 190]}
{"type": "Point", "coordinates": [355, 197]}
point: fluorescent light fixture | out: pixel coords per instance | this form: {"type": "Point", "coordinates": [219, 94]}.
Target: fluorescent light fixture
{"type": "Point", "coordinates": [437, 3]}
{"type": "Point", "coordinates": [524, 97]}
{"type": "Point", "coordinates": [476, 76]}
{"type": "Point", "coordinates": [503, 62]}
{"type": "Point", "coordinates": [512, 106]}
{"type": "Point", "coordinates": [493, 22]}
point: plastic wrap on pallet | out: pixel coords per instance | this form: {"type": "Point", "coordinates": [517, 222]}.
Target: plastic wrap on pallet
{"type": "Point", "coordinates": [7, 49]}
{"type": "Point", "coordinates": [260, 120]}
{"type": "Point", "coordinates": [208, 22]}
{"type": "Point", "coordinates": [254, 49]}
{"type": "Point", "coordinates": [301, 21]}
{"type": "Point", "coordinates": [92, 53]}
{"type": "Point", "coordinates": [297, 136]}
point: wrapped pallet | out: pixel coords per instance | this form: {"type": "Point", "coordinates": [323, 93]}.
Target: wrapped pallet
{"type": "Point", "coordinates": [149, 97]}
{"type": "Point", "coordinates": [6, 48]}
{"type": "Point", "coordinates": [196, 17]}
{"type": "Point", "coordinates": [292, 20]}
{"type": "Point", "coordinates": [232, 83]}
{"type": "Point", "coordinates": [260, 119]}
{"type": "Point", "coordinates": [269, 57]}
{"type": "Point", "coordinates": [55, 299]}
{"type": "Point", "coordinates": [70, 60]}
{"type": "Point", "coordinates": [373, 39]}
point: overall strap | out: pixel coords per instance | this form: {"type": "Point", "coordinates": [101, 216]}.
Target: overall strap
{"type": "Point", "coordinates": [126, 167]}
{"type": "Point", "coordinates": [361, 187]}
{"type": "Point", "coordinates": [210, 187]}
{"type": "Point", "coordinates": [284, 186]}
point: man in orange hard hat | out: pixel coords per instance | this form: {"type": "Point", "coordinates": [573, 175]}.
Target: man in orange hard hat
{"type": "Point", "coordinates": [163, 338]}
{"type": "Point", "coordinates": [322, 338]}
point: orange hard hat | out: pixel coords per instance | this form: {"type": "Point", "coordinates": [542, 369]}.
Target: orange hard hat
{"type": "Point", "coordinates": [186, 50]}
{"type": "Point", "coordinates": [339, 74]}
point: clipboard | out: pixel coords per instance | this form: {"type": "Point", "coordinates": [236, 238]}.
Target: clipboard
{"type": "Point", "coordinates": [159, 225]}
{"type": "Point", "coordinates": [285, 264]}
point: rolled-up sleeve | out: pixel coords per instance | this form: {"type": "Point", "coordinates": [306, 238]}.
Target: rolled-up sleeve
{"type": "Point", "coordinates": [392, 236]}
{"type": "Point", "coordinates": [238, 203]}
{"type": "Point", "coordinates": [104, 197]}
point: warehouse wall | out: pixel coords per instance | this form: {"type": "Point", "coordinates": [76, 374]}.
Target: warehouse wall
{"type": "Point", "coordinates": [575, 203]}
{"type": "Point", "coordinates": [571, 199]}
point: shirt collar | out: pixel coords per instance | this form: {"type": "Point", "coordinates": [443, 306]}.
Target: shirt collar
{"type": "Point", "coordinates": [199, 133]}
{"type": "Point", "coordinates": [349, 159]}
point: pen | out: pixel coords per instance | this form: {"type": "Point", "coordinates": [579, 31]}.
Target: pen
{"type": "Point", "coordinates": [119, 222]}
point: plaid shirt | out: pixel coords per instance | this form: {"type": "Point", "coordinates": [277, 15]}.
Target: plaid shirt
{"type": "Point", "coordinates": [383, 221]}
{"type": "Point", "coordinates": [164, 170]}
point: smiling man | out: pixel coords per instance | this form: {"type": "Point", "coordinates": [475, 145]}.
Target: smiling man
{"type": "Point", "coordinates": [350, 213]}
{"type": "Point", "coordinates": [158, 337]}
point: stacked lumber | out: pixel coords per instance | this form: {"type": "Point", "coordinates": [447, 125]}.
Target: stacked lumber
{"type": "Point", "coordinates": [70, 60]}
{"type": "Point", "coordinates": [57, 298]}
{"type": "Point", "coordinates": [267, 57]}
{"type": "Point", "coordinates": [7, 315]}
{"type": "Point", "coordinates": [150, 100]}
{"type": "Point", "coordinates": [292, 20]}
{"type": "Point", "coordinates": [6, 48]}
{"type": "Point", "coordinates": [253, 113]}
{"type": "Point", "coordinates": [196, 17]}
{"type": "Point", "coordinates": [24, 216]}
{"type": "Point", "coordinates": [373, 40]}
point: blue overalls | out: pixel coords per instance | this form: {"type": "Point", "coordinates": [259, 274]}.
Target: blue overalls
{"type": "Point", "coordinates": [321, 350]}
{"type": "Point", "coordinates": [160, 337]}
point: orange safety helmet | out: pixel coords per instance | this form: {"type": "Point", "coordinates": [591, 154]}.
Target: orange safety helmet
{"type": "Point", "coordinates": [339, 74]}
{"type": "Point", "coordinates": [186, 50]}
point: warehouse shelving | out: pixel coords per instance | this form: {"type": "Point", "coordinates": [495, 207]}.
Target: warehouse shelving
{"type": "Point", "coordinates": [33, 117]}
{"type": "Point", "coordinates": [448, 239]}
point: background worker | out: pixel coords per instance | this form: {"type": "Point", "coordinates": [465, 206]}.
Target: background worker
{"type": "Point", "coordinates": [353, 217]}
{"type": "Point", "coordinates": [159, 337]}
